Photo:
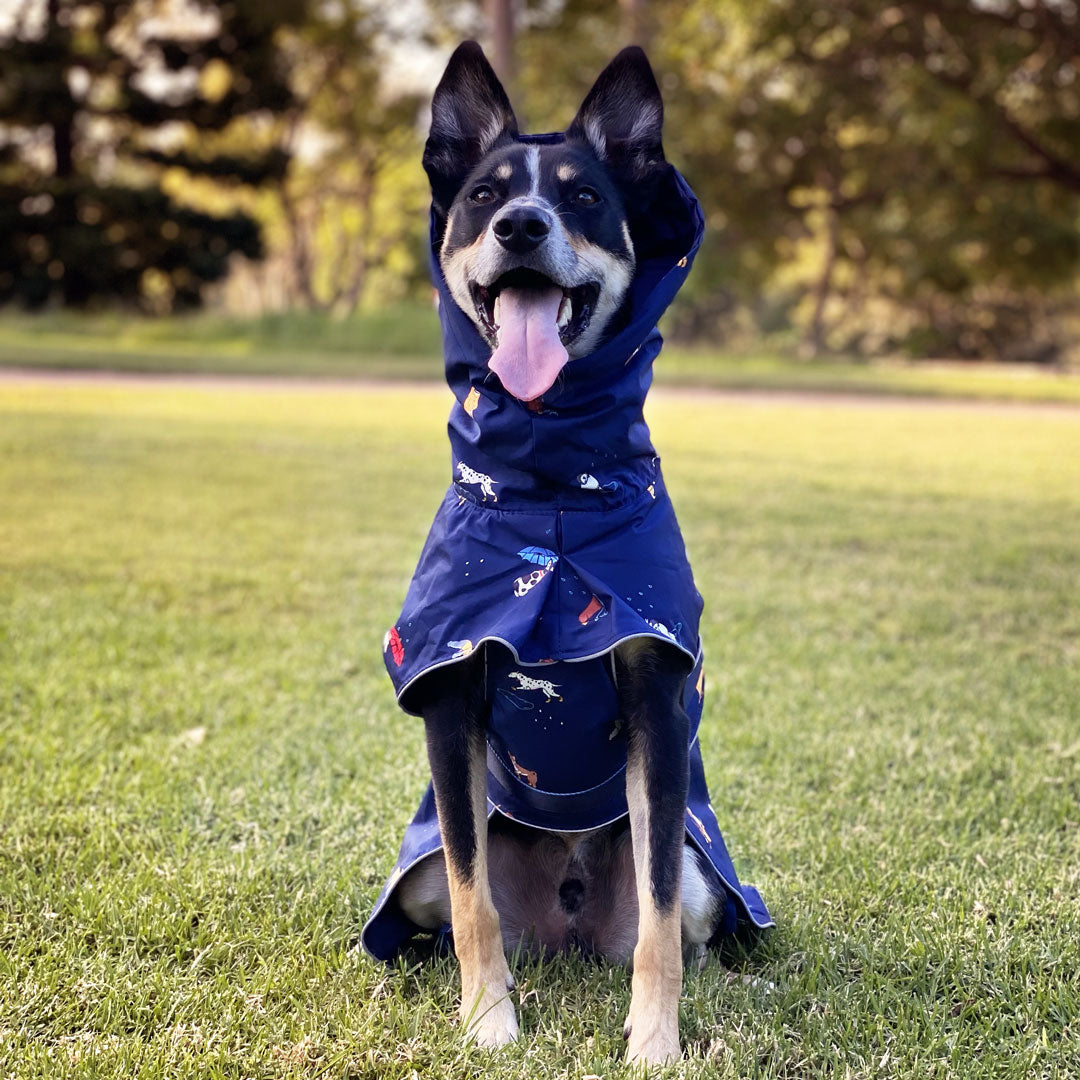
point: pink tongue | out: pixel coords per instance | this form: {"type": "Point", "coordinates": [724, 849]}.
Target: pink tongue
{"type": "Point", "coordinates": [529, 355]}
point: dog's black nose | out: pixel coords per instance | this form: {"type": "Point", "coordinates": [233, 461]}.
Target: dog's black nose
{"type": "Point", "coordinates": [522, 229]}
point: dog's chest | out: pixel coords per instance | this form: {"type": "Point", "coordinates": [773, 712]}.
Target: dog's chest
{"type": "Point", "coordinates": [555, 728]}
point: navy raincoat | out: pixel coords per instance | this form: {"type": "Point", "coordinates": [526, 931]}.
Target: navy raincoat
{"type": "Point", "coordinates": [557, 540]}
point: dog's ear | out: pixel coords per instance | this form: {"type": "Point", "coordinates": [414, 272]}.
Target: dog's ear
{"type": "Point", "coordinates": [470, 113]}
{"type": "Point", "coordinates": [622, 116]}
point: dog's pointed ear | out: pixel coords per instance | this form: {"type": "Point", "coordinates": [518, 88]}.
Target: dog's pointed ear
{"type": "Point", "coordinates": [470, 113]}
{"type": "Point", "coordinates": [622, 116]}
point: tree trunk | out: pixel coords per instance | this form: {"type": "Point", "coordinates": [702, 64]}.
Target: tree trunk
{"type": "Point", "coordinates": [815, 344]}
{"type": "Point", "coordinates": [634, 22]}
{"type": "Point", "coordinates": [500, 18]}
{"type": "Point", "coordinates": [62, 148]}
{"type": "Point", "coordinates": [64, 125]}
{"type": "Point", "coordinates": [300, 256]}
{"type": "Point", "coordinates": [365, 197]}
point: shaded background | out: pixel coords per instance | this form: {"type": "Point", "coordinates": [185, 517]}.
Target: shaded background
{"type": "Point", "coordinates": [878, 179]}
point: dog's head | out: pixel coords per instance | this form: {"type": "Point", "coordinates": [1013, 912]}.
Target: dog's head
{"type": "Point", "coordinates": [535, 242]}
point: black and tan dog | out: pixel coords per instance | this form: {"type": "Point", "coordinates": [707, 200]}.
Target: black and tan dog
{"type": "Point", "coordinates": [535, 240]}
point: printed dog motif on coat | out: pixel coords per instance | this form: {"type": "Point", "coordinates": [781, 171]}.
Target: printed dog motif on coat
{"type": "Point", "coordinates": [549, 689]}
{"type": "Point", "coordinates": [516, 700]}
{"type": "Point", "coordinates": [462, 648]}
{"type": "Point", "coordinates": [522, 585]}
{"type": "Point", "coordinates": [471, 476]}
{"type": "Point", "coordinates": [528, 775]}
{"type": "Point", "coordinates": [671, 635]}
{"type": "Point", "coordinates": [587, 482]}
{"type": "Point", "coordinates": [539, 556]}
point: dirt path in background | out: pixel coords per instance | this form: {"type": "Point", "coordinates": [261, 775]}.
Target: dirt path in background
{"type": "Point", "coordinates": [200, 381]}
{"type": "Point", "coordinates": [10, 376]}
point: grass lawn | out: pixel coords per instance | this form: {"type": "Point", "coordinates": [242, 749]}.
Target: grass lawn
{"type": "Point", "coordinates": [402, 342]}
{"type": "Point", "coordinates": [204, 779]}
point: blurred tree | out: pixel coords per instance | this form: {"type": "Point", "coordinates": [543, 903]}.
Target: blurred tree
{"type": "Point", "coordinates": [345, 225]}
{"type": "Point", "coordinates": [902, 175]}
{"type": "Point", "coordinates": [102, 101]}
{"type": "Point", "coordinates": [875, 176]}
{"type": "Point", "coordinates": [353, 204]}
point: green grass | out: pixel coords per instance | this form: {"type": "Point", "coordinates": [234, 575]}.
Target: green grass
{"type": "Point", "coordinates": [204, 779]}
{"type": "Point", "coordinates": [403, 342]}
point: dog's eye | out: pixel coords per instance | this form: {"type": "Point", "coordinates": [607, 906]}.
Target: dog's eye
{"type": "Point", "coordinates": [482, 194]}
{"type": "Point", "coordinates": [586, 197]}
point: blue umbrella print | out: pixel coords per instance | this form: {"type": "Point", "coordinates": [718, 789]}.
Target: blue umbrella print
{"type": "Point", "coordinates": [540, 556]}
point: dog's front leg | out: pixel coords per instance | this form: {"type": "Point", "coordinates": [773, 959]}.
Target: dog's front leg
{"type": "Point", "coordinates": [455, 717]}
{"type": "Point", "coordinates": [657, 776]}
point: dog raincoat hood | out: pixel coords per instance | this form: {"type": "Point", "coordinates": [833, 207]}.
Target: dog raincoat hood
{"type": "Point", "coordinates": [555, 542]}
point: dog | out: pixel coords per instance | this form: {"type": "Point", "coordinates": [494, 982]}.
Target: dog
{"type": "Point", "coordinates": [541, 241]}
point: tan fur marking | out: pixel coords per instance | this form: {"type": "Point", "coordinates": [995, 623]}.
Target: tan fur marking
{"type": "Point", "coordinates": [486, 1008]}
{"type": "Point", "coordinates": [455, 267]}
{"type": "Point", "coordinates": [653, 1021]}
{"type": "Point", "coordinates": [656, 986]}
{"type": "Point", "coordinates": [473, 247]}
{"type": "Point", "coordinates": [504, 171]}
{"type": "Point", "coordinates": [566, 172]}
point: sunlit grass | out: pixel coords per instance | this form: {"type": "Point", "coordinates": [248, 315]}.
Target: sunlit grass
{"type": "Point", "coordinates": [204, 779]}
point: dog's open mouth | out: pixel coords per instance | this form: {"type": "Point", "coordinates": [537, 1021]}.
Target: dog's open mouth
{"type": "Point", "coordinates": [575, 309]}
{"type": "Point", "coordinates": [530, 320]}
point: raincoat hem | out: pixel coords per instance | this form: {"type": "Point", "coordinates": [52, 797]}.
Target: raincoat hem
{"type": "Point", "coordinates": [694, 658]}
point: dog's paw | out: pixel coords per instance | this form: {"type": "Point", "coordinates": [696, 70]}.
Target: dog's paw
{"type": "Point", "coordinates": [489, 1017]}
{"type": "Point", "coordinates": [651, 1040]}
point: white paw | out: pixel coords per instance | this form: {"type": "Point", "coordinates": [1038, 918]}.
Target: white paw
{"type": "Point", "coordinates": [651, 1041]}
{"type": "Point", "coordinates": [490, 1018]}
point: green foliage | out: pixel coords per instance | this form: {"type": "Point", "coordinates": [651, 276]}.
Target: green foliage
{"type": "Point", "coordinates": [204, 777]}
{"type": "Point", "coordinates": [350, 216]}
{"type": "Point", "coordinates": [908, 174]}
{"type": "Point", "coordinates": [100, 103]}
{"type": "Point", "coordinates": [877, 178]}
